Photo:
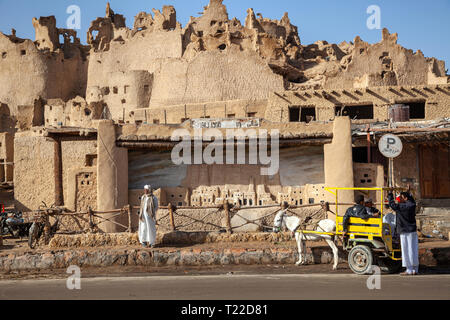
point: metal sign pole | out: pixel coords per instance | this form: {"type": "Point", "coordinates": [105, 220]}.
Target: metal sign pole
{"type": "Point", "coordinates": [391, 147]}
{"type": "Point", "coordinates": [391, 173]}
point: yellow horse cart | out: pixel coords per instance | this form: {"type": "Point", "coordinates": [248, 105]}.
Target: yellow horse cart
{"type": "Point", "coordinates": [369, 241]}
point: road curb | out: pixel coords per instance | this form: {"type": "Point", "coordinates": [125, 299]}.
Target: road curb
{"type": "Point", "coordinates": [185, 257]}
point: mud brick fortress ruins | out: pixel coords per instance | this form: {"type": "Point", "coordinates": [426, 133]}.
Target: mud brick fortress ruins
{"type": "Point", "coordinates": [87, 126]}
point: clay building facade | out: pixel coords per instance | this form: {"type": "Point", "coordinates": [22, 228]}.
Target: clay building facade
{"type": "Point", "coordinates": [93, 123]}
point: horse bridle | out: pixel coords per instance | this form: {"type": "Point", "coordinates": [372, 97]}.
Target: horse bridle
{"type": "Point", "coordinates": [278, 229]}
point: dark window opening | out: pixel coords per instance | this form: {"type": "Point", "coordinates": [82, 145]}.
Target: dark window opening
{"type": "Point", "coordinates": [231, 115]}
{"type": "Point", "coordinates": [308, 114]}
{"type": "Point", "coordinates": [184, 119]}
{"type": "Point", "coordinates": [311, 200]}
{"type": "Point", "coordinates": [115, 90]}
{"type": "Point", "coordinates": [251, 114]}
{"type": "Point", "coordinates": [87, 112]}
{"type": "Point", "coordinates": [416, 110]}
{"type": "Point", "coordinates": [4, 55]}
{"type": "Point", "coordinates": [360, 154]}
{"type": "Point", "coordinates": [23, 52]}
{"type": "Point", "coordinates": [155, 121]}
{"type": "Point", "coordinates": [91, 160]}
{"type": "Point", "coordinates": [105, 91]}
{"type": "Point", "coordinates": [294, 114]}
{"type": "Point", "coordinates": [355, 112]}
{"type": "Point", "coordinates": [222, 47]}
{"type": "Point", "coordinates": [304, 114]}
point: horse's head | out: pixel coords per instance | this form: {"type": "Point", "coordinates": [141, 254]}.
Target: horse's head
{"type": "Point", "coordinates": [278, 221]}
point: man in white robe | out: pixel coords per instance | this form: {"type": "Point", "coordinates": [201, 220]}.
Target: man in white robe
{"type": "Point", "coordinates": [147, 218]}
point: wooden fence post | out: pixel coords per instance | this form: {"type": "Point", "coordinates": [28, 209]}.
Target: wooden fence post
{"type": "Point", "coordinates": [128, 209]}
{"type": "Point", "coordinates": [172, 221]}
{"type": "Point", "coordinates": [91, 220]}
{"type": "Point", "coordinates": [226, 208]}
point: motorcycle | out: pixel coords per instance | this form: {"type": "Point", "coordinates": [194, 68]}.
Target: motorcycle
{"type": "Point", "coordinates": [38, 228]}
{"type": "Point", "coordinates": [12, 223]}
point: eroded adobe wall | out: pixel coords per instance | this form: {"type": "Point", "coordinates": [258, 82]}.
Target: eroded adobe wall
{"type": "Point", "coordinates": [34, 170]}
{"type": "Point", "coordinates": [214, 76]}
{"type": "Point", "coordinates": [369, 175]}
{"type": "Point", "coordinates": [112, 174]}
{"type": "Point", "coordinates": [173, 114]}
{"type": "Point", "coordinates": [74, 153]}
{"type": "Point", "coordinates": [144, 51]}
{"type": "Point", "coordinates": [27, 73]}
{"type": "Point", "coordinates": [387, 63]}
{"type": "Point", "coordinates": [338, 163]}
{"type": "Point", "coordinates": [435, 97]}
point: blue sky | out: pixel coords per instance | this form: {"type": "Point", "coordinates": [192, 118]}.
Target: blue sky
{"type": "Point", "coordinates": [423, 25]}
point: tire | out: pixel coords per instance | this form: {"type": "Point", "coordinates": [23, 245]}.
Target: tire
{"type": "Point", "coordinates": [360, 259]}
{"type": "Point", "coordinates": [33, 235]}
{"type": "Point", "coordinates": [390, 266]}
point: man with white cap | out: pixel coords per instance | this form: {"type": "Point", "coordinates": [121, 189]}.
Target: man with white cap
{"type": "Point", "coordinates": [147, 217]}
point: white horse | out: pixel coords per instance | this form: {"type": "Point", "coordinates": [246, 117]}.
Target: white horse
{"type": "Point", "coordinates": [293, 222]}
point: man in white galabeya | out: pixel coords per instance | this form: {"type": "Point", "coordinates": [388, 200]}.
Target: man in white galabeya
{"type": "Point", "coordinates": [147, 218]}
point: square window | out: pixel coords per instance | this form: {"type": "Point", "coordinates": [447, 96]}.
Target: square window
{"type": "Point", "coordinates": [302, 114]}
{"type": "Point", "coordinates": [416, 110]}
{"type": "Point", "coordinates": [355, 112]}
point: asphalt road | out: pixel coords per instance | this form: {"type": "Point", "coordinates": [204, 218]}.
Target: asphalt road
{"type": "Point", "coordinates": [233, 286]}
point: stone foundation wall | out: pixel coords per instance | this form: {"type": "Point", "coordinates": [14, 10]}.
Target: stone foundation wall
{"type": "Point", "coordinates": [60, 259]}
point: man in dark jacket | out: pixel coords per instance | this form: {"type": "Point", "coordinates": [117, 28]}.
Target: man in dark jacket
{"type": "Point", "coordinates": [406, 226]}
{"type": "Point", "coordinates": [374, 212]}
{"type": "Point", "coordinates": [357, 211]}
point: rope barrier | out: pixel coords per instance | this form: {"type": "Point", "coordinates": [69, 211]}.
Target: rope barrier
{"type": "Point", "coordinates": [176, 211]}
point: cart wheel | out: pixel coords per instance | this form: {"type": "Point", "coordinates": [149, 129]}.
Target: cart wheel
{"type": "Point", "coordinates": [360, 259]}
{"type": "Point", "coordinates": [389, 265]}
{"type": "Point", "coordinates": [33, 235]}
